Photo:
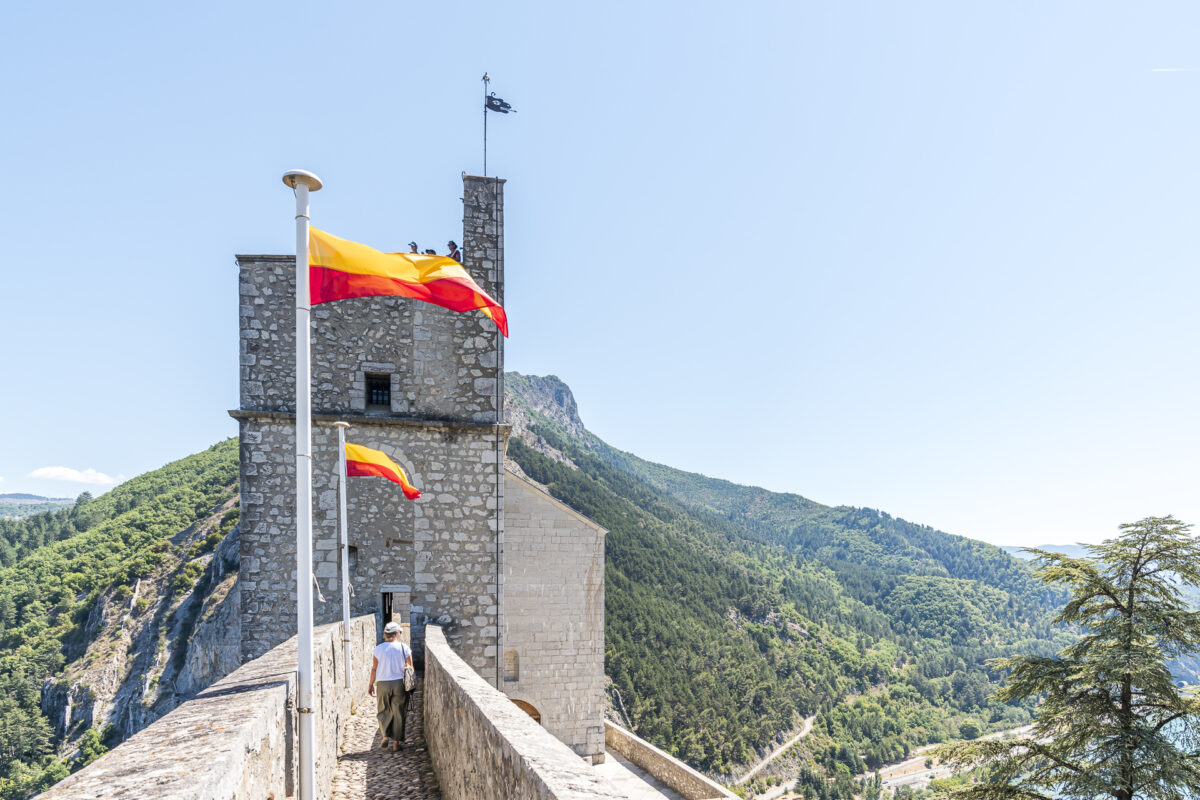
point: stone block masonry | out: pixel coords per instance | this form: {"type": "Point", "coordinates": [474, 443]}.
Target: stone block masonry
{"type": "Point", "coordinates": [237, 739]}
{"type": "Point", "coordinates": [440, 548]}
{"type": "Point", "coordinates": [554, 615]}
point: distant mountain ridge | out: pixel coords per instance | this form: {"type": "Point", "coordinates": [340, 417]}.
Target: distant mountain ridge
{"type": "Point", "coordinates": [1072, 550]}
{"type": "Point", "coordinates": [21, 497]}
{"type": "Point", "coordinates": [551, 402]}
{"type": "Point", "coordinates": [17, 505]}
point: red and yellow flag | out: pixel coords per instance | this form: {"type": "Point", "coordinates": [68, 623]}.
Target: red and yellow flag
{"type": "Point", "coordinates": [365, 462]}
{"type": "Point", "coordinates": [339, 269]}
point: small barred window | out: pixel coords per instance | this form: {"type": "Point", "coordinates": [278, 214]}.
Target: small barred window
{"type": "Point", "coordinates": [379, 391]}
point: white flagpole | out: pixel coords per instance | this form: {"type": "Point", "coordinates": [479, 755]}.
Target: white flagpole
{"type": "Point", "coordinates": [345, 543]}
{"type": "Point", "coordinates": [304, 182]}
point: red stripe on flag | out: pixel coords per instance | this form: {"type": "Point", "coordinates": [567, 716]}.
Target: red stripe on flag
{"type": "Point", "coordinates": [360, 469]}
{"type": "Point", "coordinates": [456, 294]}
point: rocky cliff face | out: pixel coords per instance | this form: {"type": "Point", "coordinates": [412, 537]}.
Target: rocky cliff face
{"type": "Point", "coordinates": [143, 652]}
{"type": "Point", "coordinates": [532, 400]}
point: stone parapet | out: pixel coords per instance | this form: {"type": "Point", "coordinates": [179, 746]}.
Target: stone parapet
{"type": "Point", "coordinates": [665, 768]}
{"type": "Point", "coordinates": [237, 738]}
{"type": "Point", "coordinates": [481, 745]}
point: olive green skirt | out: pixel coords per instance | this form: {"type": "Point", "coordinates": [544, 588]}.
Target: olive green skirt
{"type": "Point", "coordinates": [391, 703]}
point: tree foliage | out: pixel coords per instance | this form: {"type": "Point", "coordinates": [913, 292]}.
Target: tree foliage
{"type": "Point", "coordinates": [1111, 722]}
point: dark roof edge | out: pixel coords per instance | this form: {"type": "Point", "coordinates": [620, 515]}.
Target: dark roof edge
{"type": "Point", "coordinates": [242, 258]}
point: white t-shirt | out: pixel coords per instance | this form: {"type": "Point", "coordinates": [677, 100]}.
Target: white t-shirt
{"type": "Point", "coordinates": [391, 656]}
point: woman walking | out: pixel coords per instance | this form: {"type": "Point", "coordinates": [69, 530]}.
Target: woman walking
{"type": "Point", "coordinates": [387, 673]}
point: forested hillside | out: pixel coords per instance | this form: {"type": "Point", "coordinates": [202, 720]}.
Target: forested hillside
{"type": "Point", "coordinates": [732, 612]}
{"type": "Point", "coordinates": [773, 607]}
{"type": "Point", "coordinates": [63, 573]}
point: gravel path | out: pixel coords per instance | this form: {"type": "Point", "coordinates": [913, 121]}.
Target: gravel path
{"type": "Point", "coordinates": [368, 772]}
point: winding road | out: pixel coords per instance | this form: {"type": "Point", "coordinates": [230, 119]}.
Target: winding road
{"type": "Point", "coordinates": [805, 730]}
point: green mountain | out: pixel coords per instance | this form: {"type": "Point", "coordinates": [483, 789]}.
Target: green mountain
{"type": "Point", "coordinates": [733, 611]}
{"type": "Point", "coordinates": [104, 606]}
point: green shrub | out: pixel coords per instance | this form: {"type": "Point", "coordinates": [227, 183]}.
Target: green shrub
{"type": "Point", "coordinates": [186, 578]}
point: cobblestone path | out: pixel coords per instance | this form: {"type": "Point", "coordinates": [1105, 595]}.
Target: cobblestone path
{"type": "Point", "coordinates": [368, 772]}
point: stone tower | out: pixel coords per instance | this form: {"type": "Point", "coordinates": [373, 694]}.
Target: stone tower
{"type": "Point", "coordinates": [419, 382]}
{"type": "Point", "coordinates": [426, 386]}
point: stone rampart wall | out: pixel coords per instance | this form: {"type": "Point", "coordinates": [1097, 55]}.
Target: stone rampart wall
{"type": "Point", "coordinates": [237, 738]}
{"type": "Point", "coordinates": [482, 745]}
{"type": "Point", "coordinates": [667, 769]}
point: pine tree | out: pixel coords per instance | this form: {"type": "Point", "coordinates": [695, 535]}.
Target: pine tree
{"type": "Point", "coordinates": [1111, 722]}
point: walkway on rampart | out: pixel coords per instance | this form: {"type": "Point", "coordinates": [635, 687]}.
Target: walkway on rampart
{"type": "Point", "coordinates": [368, 772]}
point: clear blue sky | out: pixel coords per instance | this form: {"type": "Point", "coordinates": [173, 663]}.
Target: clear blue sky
{"type": "Point", "coordinates": [937, 258]}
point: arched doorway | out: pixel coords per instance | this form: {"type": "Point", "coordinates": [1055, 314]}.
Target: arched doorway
{"type": "Point", "coordinates": [530, 710]}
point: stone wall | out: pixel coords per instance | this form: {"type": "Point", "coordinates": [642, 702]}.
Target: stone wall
{"type": "Point", "coordinates": [553, 654]}
{"type": "Point", "coordinates": [236, 739]}
{"type": "Point", "coordinates": [665, 768]}
{"type": "Point", "coordinates": [483, 746]}
{"type": "Point", "coordinates": [438, 559]}
{"type": "Point", "coordinates": [436, 555]}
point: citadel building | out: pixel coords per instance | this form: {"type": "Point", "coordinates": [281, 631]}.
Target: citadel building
{"type": "Point", "coordinates": [514, 578]}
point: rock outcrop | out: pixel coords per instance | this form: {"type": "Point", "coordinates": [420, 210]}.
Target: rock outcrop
{"type": "Point", "coordinates": [533, 400]}
{"type": "Point", "coordinates": [142, 652]}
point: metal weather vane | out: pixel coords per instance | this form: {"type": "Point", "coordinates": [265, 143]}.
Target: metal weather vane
{"type": "Point", "coordinates": [491, 103]}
